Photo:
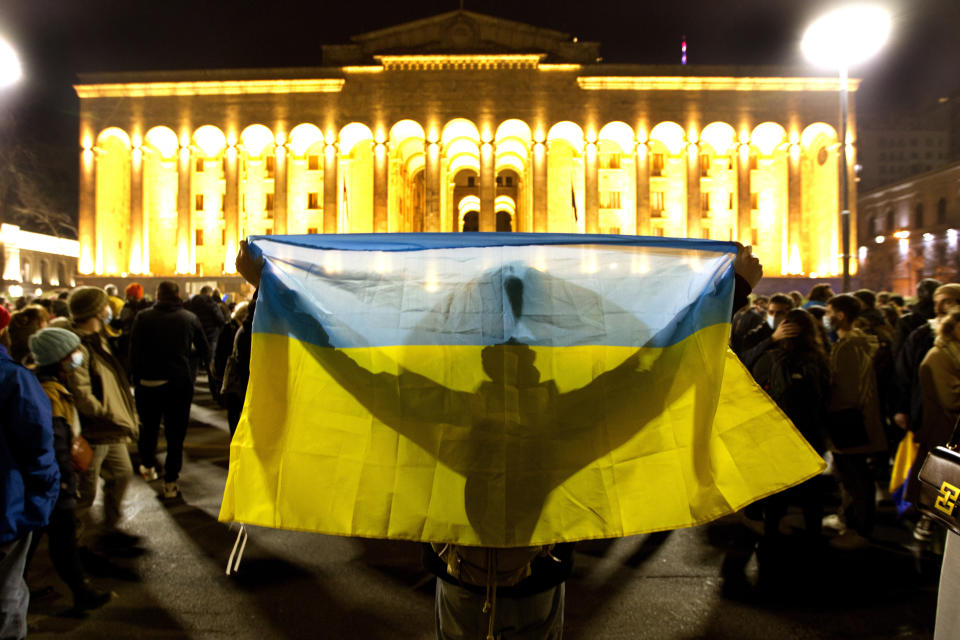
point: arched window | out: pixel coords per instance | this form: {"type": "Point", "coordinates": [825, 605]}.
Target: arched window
{"type": "Point", "coordinates": [918, 216]}
{"type": "Point", "coordinates": [504, 221]}
{"type": "Point", "coordinates": [471, 221]}
{"type": "Point", "coordinates": [941, 210]}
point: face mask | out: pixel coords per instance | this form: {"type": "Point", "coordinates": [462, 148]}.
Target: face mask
{"type": "Point", "coordinates": [828, 323]}
{"type": "Point", "coordinates": [109, 315]}
{"type": "Point", "coordinates": [76, 359]}
{"type": "Point", "coordinates": [774, 322]}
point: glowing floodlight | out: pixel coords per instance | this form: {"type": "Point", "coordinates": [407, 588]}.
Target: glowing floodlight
{"type": "Point", "coordinates": [10, 69]}
{"type": "Point", "coordinates": [846, 36]}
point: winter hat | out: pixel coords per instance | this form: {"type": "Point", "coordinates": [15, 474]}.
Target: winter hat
{"type": "Point", "coordinates": [86, 302]}
{"type": "Point", "coordinates": [134, 290]}
{"type": "Point", "coordinates": [4, 317]}
{"type": "Point", "coordinates": [52, 345]}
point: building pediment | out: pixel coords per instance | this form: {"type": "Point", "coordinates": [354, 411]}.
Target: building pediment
{"type": "Point", "coordinates": [461, 32]}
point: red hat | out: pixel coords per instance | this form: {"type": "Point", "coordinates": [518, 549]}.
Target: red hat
{"type": "Point", "coordinates": [134, 290]}
{"type": "Point", "coordinates": [4, 317]}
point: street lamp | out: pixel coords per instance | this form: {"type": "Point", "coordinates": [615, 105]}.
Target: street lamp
{"type": "Point", "coordinates": [10, 69]}
{"type": "Point", "coordinates": [837, 40]}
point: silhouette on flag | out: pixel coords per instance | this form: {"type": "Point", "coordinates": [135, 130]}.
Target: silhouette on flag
{"type": "Point", "coordinates": [500, 390]}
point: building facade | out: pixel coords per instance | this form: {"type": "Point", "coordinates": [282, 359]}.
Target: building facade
{"type": "Point", "coordinates": [454, 123]}
{"type": "Point", "coordinates": [34, 263]}
{"type": "Point", "coordinates": [910, 231]}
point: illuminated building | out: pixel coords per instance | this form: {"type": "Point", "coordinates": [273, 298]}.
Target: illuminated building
{"type": "Point", "coordinates": [909, 231]}
{"type": "Point", "coordinates": [456, 122]}
{"type": "Point", "coordinates": [33, 263]}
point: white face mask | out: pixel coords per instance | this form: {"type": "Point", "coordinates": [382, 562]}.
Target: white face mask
{"type": "Point", "coordinates": [76, 359]}
{"type": "Point", "coordinates": [109, 316]}
{"type": "Point", "coordinates": [828, 323]}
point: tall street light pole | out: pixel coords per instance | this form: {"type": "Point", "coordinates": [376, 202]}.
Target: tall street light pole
{"type": "Point", "coordinates": [837, 40]}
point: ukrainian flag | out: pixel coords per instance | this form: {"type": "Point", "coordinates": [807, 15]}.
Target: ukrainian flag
{"type": "Point", "coordinates": [500, 390]}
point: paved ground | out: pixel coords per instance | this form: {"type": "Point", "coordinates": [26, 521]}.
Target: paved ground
{"type": "Point", "coordinates": [296, 585]}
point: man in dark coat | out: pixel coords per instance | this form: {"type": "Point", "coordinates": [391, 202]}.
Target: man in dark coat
{"type": "Point", "coordinates": [209, 313]}
{"type": "Point", "coordinates": [162, 341]}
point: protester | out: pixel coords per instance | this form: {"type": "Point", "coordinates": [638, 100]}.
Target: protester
{"type": "Point", "coordinates": [162, 341]}
{"type": "Point", "coordinates": [108, 421]}
{"type": "Point", "coordinates": [766, 335]}
{"type": "Point", "coordinates": [745, 320]}
{"type": "Point", "coordinates": [29, 478]}
{"type": "Point", "coordinates": [819, 295]}
{"type": "Point", "coordinates": [23, 324]}
{"type": "Point", "coordinates": [134, 304]}
{"type": "Point", "coordinates": [921, 312]}
{"type": "Point", "coordinates": [796, 375]}
{"type": "Point", "coordinates": [56, 352]}
{"type": "Point", "coordinates": [236, 372]}
{"type": "Point", "coordinates": [797, 298]}
{"type": "Point", "coordinates": [224, 348]}
{"type": "Point", "coordinates": [208, 312]}
{"type": "Point", "coordinates": [854, 426]}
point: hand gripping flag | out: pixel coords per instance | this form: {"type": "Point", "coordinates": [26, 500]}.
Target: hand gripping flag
{"type": "Point", "coordinates": [500, 390]}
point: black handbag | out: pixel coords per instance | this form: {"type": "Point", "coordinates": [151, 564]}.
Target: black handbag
{"type": "Point", "coordinates": [940, 483]}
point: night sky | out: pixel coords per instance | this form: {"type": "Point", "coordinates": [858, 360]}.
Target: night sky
{"type": "Point", "coordinates": [59, 38]}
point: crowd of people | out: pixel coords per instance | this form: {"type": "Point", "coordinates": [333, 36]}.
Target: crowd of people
{"type": "Point", "coordinates": [87, 380]}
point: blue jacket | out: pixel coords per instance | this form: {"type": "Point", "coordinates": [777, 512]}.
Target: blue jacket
{"type": "Point", "coordinates": [29, 476]}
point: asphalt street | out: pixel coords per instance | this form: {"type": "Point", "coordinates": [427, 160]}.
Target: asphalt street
{"type": "Point", "coordinates": [712, 581]}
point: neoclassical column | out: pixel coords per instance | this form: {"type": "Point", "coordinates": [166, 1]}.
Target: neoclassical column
{"type": "Point", "coordinates": [137, 226]}
{"type": "Point", "coordinates": [794, 208]}
{"type": "Point", "coordinates": [641, 161]}
{"type": "Point", "coordinates": [280, 191]}
{"type": "Point", "coordinates": [591, 189]}
{"type": "Point", "coordinates": [431, 187]}
{"type": "Point", "coordinates": [488, 187]}
{"type": "Point", "coordinates": [380, 187]}
{"type": "Point", "coordinates": [331, 160]}
{"type": "Point", "coordinates": [744, 221]}
{"type": "Point", "coordinates": [694, 206]}
{"type": "Point", "coordinates": [540, 193]}
{"type": "Point", "coordinates": [86, 222]}
{"type": "Point", "coordinates": [184, 209]}
{"type": "Point", "coordinates": [231, 208]}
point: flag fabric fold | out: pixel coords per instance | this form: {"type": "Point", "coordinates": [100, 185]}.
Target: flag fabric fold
{"type": "Point", "coordinates": [500, 390]}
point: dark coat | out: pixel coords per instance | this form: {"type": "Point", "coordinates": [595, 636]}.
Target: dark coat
{"type": "Point", "coordinates": [909, 393]}
{"type": "Point", "coordinates": [210, 315]}
{"type": "Point", "coordinates": [161, 342]}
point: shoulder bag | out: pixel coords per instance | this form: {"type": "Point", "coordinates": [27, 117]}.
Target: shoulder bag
{"type": "Point", "coordinates": [940, 483]}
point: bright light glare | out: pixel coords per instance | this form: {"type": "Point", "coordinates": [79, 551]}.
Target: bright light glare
{"type": "Point", "coordinates": [10, 69]}
{"type": "Point", "coordinates": [846, 36]}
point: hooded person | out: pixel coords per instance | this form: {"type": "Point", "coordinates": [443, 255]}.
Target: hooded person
{"type": "Point", "coordinates": [56, 353]}
{"type": "Point", "coordinates": [108, 420]}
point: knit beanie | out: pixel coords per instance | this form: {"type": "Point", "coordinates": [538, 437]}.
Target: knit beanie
{"type": "Point", "coordinates": [134, 290]}
{"type": "Point", "coordinates": [4, 317]}
{"type": "Point", "coordinates": [52, 345]}
{"type": "Point", "coordinates": [952, 290]}
{"type": "Point", "coordinates": [86, 302]}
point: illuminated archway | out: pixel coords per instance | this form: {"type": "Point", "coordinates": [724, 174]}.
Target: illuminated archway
{"type": "Point", "coordinates": [305, 171]}
{"type": "Point", "coordinates": [160, 185]}
{"type": "Point", "coordinates": [356, 179]}
{"type": "Point", "coordinates": [113, 202]}
{"type": "Point", "coordinates": [819, 170]}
